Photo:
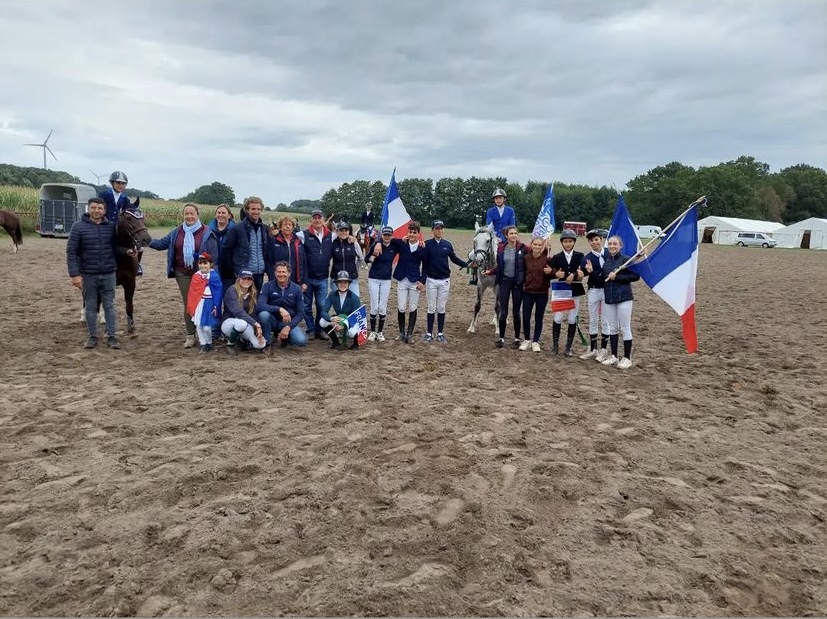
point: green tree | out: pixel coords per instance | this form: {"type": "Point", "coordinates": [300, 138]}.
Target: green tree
{"type": "Point", "coordinates": [449, 197]}
{"type": "Point", "coordinates": [808, 186]}
{"type": "Point", "coordinates": [215, 193]}
{"type": "Point", "coordinates": [417, 195]}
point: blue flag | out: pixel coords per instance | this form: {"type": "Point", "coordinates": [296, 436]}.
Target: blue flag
{"type": "Point", "coordinates": [544, 226]}
{"type": "Point", "coordinates": [623, 227]}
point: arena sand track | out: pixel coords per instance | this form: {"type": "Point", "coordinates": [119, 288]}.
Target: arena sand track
{"type": "Point", "coordinates": [430, 480]}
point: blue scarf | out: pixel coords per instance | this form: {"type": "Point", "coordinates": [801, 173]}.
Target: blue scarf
{"type": "Point", "coordinates": [189, 243]}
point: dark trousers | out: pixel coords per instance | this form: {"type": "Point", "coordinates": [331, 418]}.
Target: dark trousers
{"type": "Point", "coordinates": [536, 301]}
{"type": "Point", "coordinates": [510, 290]}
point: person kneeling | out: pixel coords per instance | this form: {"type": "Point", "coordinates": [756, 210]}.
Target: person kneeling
{"type": "Point", "coordinates": [341, 302]}
{"type": "Point", "coordinates": [281, 307]}
{"type": "Point", "coordinates": [239, 311]}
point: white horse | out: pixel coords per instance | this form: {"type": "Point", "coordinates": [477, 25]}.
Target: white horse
{"type": "Point", "coordinates": [484, 254]}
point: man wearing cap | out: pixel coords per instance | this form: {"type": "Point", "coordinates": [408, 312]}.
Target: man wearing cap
{"type": "Point", "coordinates": [280, 307]}
{"type": "Point", "coordinates": [565, 267]}
{"type": "Point", "coordinates": [592, 265]}
{"type": "Point", "coordinates": [339, 304]}
{"type": "Point", "coordinates": [318, 251]}
{"type": "Point", "coordinates": [437, 273]}
{"type": "Point", "coordinates": [90, 258]}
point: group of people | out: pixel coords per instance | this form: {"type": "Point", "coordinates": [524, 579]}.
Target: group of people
{"type": "Point", "coordinates": [312, 279]}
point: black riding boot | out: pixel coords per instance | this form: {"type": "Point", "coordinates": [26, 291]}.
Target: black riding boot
{"type": "Point", "coordinates": [334, 340]}
{"type": "Point", "coordinates": [555, 338]}
{"type": "Point", "coordinates": [572, 331]}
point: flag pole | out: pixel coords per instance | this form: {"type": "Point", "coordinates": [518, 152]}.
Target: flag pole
{"type": "Point", "coordinates": [642, 250]}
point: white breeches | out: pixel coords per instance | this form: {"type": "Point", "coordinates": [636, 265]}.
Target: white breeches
{"type": "Point", "coordinates": [619, 318]}
{"type": "Point", "coordinates": [597, 313]}
{"type": "Point", "coordinates": [244, 329]}
{"type": "Point", "coordinates": [436, 291]}
{"type": "Point", "coordinates": [407, 296]}
{"type": "Point", "coordinates": [570, 316]}
{"type": "Point", "coordinates": [380, 291]}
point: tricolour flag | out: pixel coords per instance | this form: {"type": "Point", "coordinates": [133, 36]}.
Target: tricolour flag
{"type": "Point", "coordinates": [394, 213]}
{"type": "Point", "coordinates": [544, 226]}
{"type": "Point", "coordinates": [671, 271]}
{"type": "Point", "coordinates": [561, 297]}
{"type": "Point", "coordinates": [623, 227]}
{"type": "Point", "coordinates": [360, 318]}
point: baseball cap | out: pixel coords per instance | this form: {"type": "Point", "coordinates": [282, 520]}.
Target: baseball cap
{"type": "Point", "coordinates": [245, 273]}
{"type": "Point", "coordinates": [205, 256]}
{"type": "Point", "coordinates": [593, 233]}
{"type": "Point", "coordinates": [315, 212]}
{"type": "Point", "coordinates": [438, 223]}
{"type": "Point", "coordinates": [387, 230]}
{"type": "Point", "coordinates": [343, 225]}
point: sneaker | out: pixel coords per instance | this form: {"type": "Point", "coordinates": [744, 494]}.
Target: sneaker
{"type": "Point", "coordinates": [380, 337]}
{"type": "Point", "coordinates": [189, 342]}
{"type": "Point", "coordinates": [113, 342]}
{"type": "Point", "coordinates": [589, 354]}
{"type": "Point", "coordinates": [372, 336]}
{"type": "Point", "coordinates": [535, 347]}
{"type": "Point", "coordinates": [203, 349]}
{"type": "Point", "coordinates": [524, 345]}
{"type": "Point", "coordinates": [602, 355]}
{"type": "Point", "coordinates": [624, 364]}
{"type": "Point", "coordinates": [402, 338]}
{"type": "Point", "coordinates": [610, 360]}
{"type": "Point", "coordinates": [409, 338]}
{"type": "Point", "coordinates": [568, 352]}
{"type": "Point", "coordinates": [515, 343]}
{"type": "Point", "coordinates": [499, 343]}
{"type": "Point", "coordinates": [91, 342]}
{"type": "Point", "coordinates": [427, 338]}
{"type": "Point", "coordinates": [440, 337]}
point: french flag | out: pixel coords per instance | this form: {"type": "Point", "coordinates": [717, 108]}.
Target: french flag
{"type": "Point", "coordinates": [671, 271]}
{"type": "Point", "coordinates": [561, 297]}
{"type": "Point", "coordinates": [394, 213]}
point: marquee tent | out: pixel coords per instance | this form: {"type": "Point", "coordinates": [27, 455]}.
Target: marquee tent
{"type": "Point", "coordinates": [808, 234]}
{"type": "Point", "coordinates": [724, 230]}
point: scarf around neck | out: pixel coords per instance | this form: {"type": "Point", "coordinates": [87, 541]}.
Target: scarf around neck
{"type": "Point", "coordinates": [189, 242]}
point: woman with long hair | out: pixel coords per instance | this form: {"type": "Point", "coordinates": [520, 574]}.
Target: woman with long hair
{"type": "Point", "coordinates": [240, 314]}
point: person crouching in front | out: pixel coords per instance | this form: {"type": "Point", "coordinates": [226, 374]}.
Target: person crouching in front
{"type": "Point", "coordinates": [339, 305]}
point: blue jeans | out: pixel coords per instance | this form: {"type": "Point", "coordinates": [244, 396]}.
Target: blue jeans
{"type": "Point", "coordinates": [100, 286]}
{"type": "Point", "coordinates": [316, 291]}
{"type": "Point", "coordinates": [270, 323]}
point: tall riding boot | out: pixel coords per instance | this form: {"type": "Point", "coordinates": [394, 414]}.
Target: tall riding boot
{"type": "Point", "coordinates": [555, 338]}
{"type": "Point", "coordinates": [572, 331]}
{"type": "Point", "coordinates": [334, 340]}
{"type": "Point", "coordinates": [411, 325]}
{"type": "Point", "coordinates": [401, 318]}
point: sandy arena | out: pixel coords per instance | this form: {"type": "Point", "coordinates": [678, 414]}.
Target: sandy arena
{"type": "Point", "coordinates": [435, 479]}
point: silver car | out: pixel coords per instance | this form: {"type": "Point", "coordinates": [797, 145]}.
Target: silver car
{"type": "Point", "coordinates": [755, 239]}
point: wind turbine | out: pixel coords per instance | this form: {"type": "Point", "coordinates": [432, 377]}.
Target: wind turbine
{"type": "Point", "coordinates": [98, 177]}
{"type": "Point", "coordinates": [45, 147]}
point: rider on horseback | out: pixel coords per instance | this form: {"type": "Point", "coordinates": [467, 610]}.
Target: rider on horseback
{"type": "Point", "coordinates": [500, 216]}
{"type": "Point", "coordinates": [117, 201]}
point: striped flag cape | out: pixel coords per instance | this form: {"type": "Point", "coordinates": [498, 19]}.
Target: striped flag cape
{"type": "Point", "coordinates": [561, 297]}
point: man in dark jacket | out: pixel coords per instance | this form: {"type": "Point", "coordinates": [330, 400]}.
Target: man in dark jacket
{"type": "Point", "coordinates": [248, 246]}
{"type": "Point", "coordinates": [281, 308]}
{"type": "Point", "coordinates": [90, 258]}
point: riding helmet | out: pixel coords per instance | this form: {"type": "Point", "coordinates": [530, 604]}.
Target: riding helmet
{"type": "Point", "coordinates": [118, 176]}
{"type": "Point", "coordinates": [499, 192]}
{"type": "Point", "coordinates": [343, 276]}
{"type": "Point", "coordinates": [568, 234]}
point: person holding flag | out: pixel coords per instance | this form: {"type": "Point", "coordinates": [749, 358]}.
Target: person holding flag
{"type": "Point", "coordinates": [343, 302]}
{"type": "Point", "coordinates": [565, 266]}
{"type": "Point", "coordinates": [618, 297]}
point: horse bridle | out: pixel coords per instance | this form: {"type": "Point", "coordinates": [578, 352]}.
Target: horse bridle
{"type": "Point", "coordinates": [485, 254]}
{"type": "Point", "coordinates": [135, 245]}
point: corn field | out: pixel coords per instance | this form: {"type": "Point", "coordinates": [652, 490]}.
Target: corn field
{"type": "Point", "coordinates": [25, 202]}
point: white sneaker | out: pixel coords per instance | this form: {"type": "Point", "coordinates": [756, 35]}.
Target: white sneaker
{"type": "Point", "coordinates": [610, 360]}
{"type": "Point", "coordinates": [589, 354]}
{"type": "Point", "coordinates": [189, 342]}
{"type": "Point", "coordinates": [624, 364]}
{"type": "Point", "coordinates": [535, 347]}
{"type": "Point", "coordinates": [525, 344]}
{"type": "Point", "coordinates": [602, 355]}
{"type": "Point", "coordinates": [372, 336]}
{"type": "Point", "coordinates": [380, 337]}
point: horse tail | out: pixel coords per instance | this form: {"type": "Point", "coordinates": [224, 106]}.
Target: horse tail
{"type": "Point", "coordinates": [18, 234]}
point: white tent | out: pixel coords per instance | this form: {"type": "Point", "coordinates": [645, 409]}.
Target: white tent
{"type": "Point", "coordinates": [808, 234]}
{"type": "Point", "coordinates": [724, 230]}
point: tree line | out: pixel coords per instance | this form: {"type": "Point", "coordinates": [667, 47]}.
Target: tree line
{"type": "Point", "coordinates": [742, 188]}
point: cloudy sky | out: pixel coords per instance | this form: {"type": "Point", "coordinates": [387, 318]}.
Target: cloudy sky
{"type": "Point", "coordinates": [288, 99]}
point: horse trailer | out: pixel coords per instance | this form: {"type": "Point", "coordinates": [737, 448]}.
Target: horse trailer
{"type": "Point", "coordinates": [61, 205]}
{"type": "Point", "coordinates": [578, 227]}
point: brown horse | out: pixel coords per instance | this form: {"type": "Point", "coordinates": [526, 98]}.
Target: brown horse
{"type": "Point", "coordinates": [131, 234]}
{"type": "Point", "coordinates": [11, 224]}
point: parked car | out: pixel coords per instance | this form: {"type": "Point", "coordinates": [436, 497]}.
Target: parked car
{"type": "Point", "coordinates": [755, 239]}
